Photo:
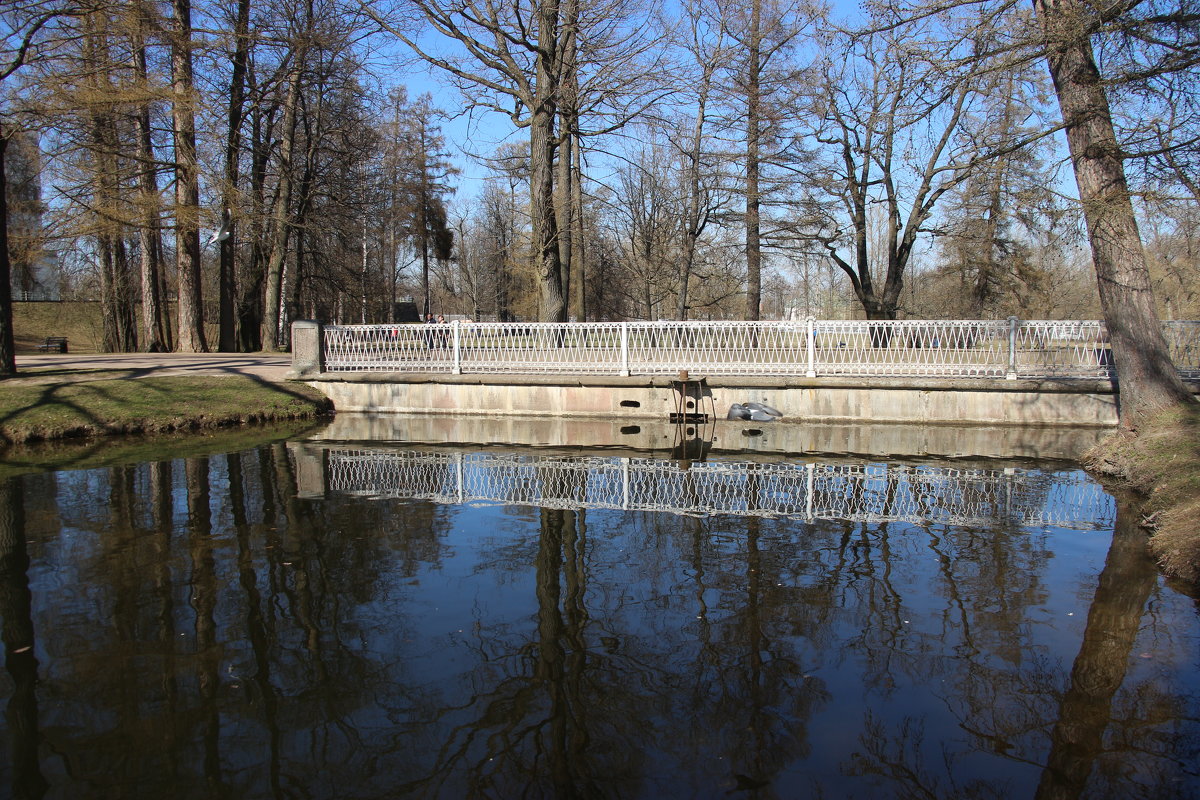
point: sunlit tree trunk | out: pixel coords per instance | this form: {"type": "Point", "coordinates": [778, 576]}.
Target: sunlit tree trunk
{"type": "Point", "coordinates": [155, 333]}
{"type": "Point", "coordinates": [577, 299]}
{"type": "Point", "coordinates": [696, 215]}
{"type": "Point", "coordinates": [551, 306]}
{"type": "Point", "coordinates": [187, 184]}
{"type": "Point", "coordinates": [1148, 381]}
{"type": "Point", "coordinates": [564, 207]}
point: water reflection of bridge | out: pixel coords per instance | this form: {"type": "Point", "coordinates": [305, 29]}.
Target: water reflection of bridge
{"type": "Point", "coordinates": [867, 492]}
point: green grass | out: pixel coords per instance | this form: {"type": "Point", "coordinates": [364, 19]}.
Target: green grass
{"type": "Point", "coordinates": [76, 405]}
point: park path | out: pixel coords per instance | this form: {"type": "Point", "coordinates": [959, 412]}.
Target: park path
{"type": "Point", "coordinates": [40, 367]}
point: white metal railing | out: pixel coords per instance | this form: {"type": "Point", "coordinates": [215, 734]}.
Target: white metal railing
{"type": "Point", "coordinates": [1010, 348]}
{"type": "Point", "coordinates": [861, 492]}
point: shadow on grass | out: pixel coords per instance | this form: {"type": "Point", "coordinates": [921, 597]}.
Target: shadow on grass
{"type": "Point", "coordinates": [87, 423]}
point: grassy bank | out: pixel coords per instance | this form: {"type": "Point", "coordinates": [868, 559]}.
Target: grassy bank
{"type": "Point", "coordinates": [1163, 463]}
{"type": "Point", "coordinates": [71, 405]}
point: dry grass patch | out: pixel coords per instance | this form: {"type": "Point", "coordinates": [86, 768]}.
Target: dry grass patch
{"type": "Point", "coordinates": [1163, 463]}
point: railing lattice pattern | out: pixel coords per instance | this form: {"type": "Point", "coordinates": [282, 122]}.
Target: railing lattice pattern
{"type": "Point", "coordinates": [810, 348]}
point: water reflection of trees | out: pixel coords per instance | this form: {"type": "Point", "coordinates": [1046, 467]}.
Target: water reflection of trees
{"type": "Point", "coordinates": [212, 595]}
{"type": "Point", "coordinates": [21, 712]}
{"type": "Point", "coordinates": [1012, 703]}
{"type": "Point", "coordinates": [227, 635]}
{"type": "Point", "coordinates": [590, 702]}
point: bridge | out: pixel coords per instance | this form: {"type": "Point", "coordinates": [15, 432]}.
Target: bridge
{"type": "Point", "coordinates": [1044, 372]}
{"type": "Point", "coordinates": [858, 491]}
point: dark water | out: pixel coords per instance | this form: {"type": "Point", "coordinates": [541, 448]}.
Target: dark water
{"type": "Point", "coordinates": [375, 622]}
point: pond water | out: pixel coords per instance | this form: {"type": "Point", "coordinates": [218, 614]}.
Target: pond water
{"type": "Point", "coordinates": [378, 619]}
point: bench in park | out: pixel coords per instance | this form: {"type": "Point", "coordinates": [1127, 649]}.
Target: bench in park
{"type": "Point", "coordinates": [54, 344]}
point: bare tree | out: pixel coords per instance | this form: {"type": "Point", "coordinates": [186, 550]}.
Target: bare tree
{"type": "Point", "coordinates": [763, 35]}
{"type": "Point", "coordinates": [992, 220]}
{"type": "Point", "coordinates": [644, 218]}
{"type": "Point", "coordinates": [703, 195]}
{"type": "Point", "coordinates": [281, 226]}
{"type": "Point", "coordinates": [547, 65]}
{"type": "Point", "coordinates": [512, 65]}
{"type": "Point", "coordinates": [895, 124]}
{"type": "Point", "coordinates": [107, 171]}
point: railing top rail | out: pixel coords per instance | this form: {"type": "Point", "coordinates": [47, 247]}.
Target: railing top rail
{"type": "Point", "coordinates": [760, 323]}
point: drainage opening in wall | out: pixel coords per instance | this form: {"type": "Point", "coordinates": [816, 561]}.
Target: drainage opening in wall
{"type": "Point", "coordinates": [630, 404]}
{"type": "Point", "coordinates": [631, 429]}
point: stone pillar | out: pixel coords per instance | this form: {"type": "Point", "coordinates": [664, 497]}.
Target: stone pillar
{"type": "Point", "coordinates": [308, 359]}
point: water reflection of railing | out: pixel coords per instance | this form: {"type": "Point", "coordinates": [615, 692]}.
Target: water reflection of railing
{"type": "Point", "coordinates": [861, 492]}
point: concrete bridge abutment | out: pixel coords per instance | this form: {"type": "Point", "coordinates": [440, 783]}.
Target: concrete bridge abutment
{"type": "Point", "coordinates": [909, 400]}
{"type": "Point", "coordinates": [837, 400]}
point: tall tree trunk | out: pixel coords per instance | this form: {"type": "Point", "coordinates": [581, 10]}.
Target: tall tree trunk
{"type": "Point", "coordinates": [422, 222]}
{"type": "Point", "coordinates": [291, 290]}
{"type": "Point", "coordinates": [1147, 379]}
{"type": "Point", "coordinates": [696, 215]}
{"type": "Point", "coordinates": [250, 288]}
{"type": "Point", "coordinates": [154, 331]}
{"type": "Point", "coordinates": [8, 348]}
{"type": "Point", "coordinates": [105, 184]}
{"type": "Point", "coordinates": [272, 296]}
{"type": "Point", "coordinates": [123, 295]}
{"type": "Point", "coordinates": [226, 281]}
{"type": "Point", "coordinates": [187, 184]}
{"type": "Point", "coordinates": [547, 264]}
{"type": "Point", "coordinates": [362, 277]}
{"type": "Point", "coordinates": [753, 165]}
{"type": "Point", "coordinates": [564, 207]}
{"type": "Point", "coordinates": [108, 316]}
{"type": "Point", "coordinates": [391, 258]}
{"type": "Point", "coordinates": [577, 300]}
